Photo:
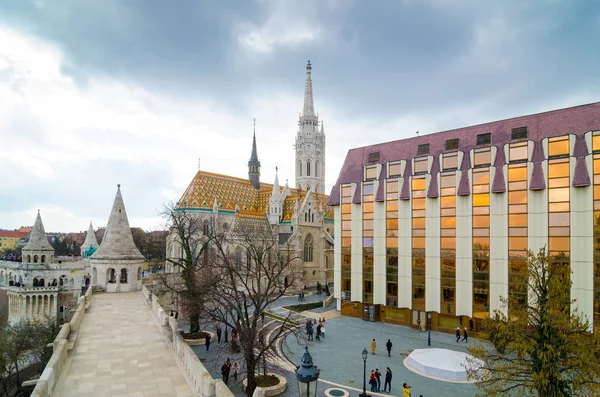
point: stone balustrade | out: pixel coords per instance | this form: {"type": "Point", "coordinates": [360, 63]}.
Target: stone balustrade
{"type": "Point", "coordinates": [30, 289]}
{"type": "Point", "coordinates": [63, 343]}
{"type": "Point", "coordinates": [200, 380]}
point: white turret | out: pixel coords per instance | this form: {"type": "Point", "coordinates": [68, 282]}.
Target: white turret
{"type": "Point", "coordinates": [275, 203]}
{"type": "Point", "coordinates": [90, 241]}
{"type": "Point", "coordinates": [310, 144]}
{"type": "Point", "coordinates": [38, 249]}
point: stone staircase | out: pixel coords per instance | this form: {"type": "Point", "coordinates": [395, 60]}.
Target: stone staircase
{"type": "Point", "coordinates": [328, 315]}
{"type": "Point", "coordinates": [98, 290]}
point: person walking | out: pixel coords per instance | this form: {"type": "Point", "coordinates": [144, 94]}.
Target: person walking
{"type": "Point", "coordinates": [419, 325]}
{"type": "Point", "coordinates": [309, 332]}
{"type": "Point", "coordinates": [323, 331]}
{"type": "Point", "coordinates": [457, 334]}
{"type": "Point", "coordinates": [406, 390]}
{"type": "Point", "coordinates": [388, 346]}
{"type": "Point", "coordinates": [373, 346]}
{"type": "Point", "coordinates": [219, 333]}
{"type": "Point", "coordinates": [319, 332]}
{"type": "Point", "coordinates": [387, 386]}
{"type": "Point", "coordinates": [207, 341]}
{"type": "Point", "coordinates": [236, 368]}
{"type": "Point", "coordinates": [225, 368]}
{"type": "Point", "coordinates": [378, 377]}
{"type": "Point", "coordinates": [465, 335]}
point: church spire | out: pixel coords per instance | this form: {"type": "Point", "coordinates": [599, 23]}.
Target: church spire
{"type": "Point", "coordinates": [253, 163]}
{"type": "Point", "coordinates": [309, 104]}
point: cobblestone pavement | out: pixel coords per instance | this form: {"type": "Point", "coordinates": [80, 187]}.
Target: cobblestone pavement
{"type": "Point", "coordinates": [339, 355]}
{"type": "Point", "coordinates": [121, 352]}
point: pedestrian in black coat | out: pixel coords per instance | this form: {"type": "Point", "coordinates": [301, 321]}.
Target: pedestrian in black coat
{"type": "Point", "coordinates": [457, 334]}
{"type": "Point", "coordinates": [388, 346]}
{"type": "Point", "coordinates": [378, 376]}
{"type": "Point", "coordinates": [388, 380]}
{"type": "Point", "coordinates": [207, 341]}
{"type": "Point", "coordinates": [219, 333]}
{"type": "Point", "coordinates": [465, 335]}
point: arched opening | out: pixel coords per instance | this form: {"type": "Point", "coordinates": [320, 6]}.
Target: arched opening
{"type": "Point", "coordinates": [54, 283]}
{"type": "Point", "coordinates": [43, 260]}
{"type": "Point", "coordinates": [317, 168]}
{"type": "Point", "coordinates": [307, 167]}
{"type": "Point", "coordinates": [28, 258]}
{"type": "Point", "coordinates": [35, 282]}
{"type": "Point", "coordinates": [308, 248]}
{"type": "Point", "coordinates": [41, 282]}
{"type": "Point", "coordinates": [71, 282]}
{"type": "Point", "coordinates": [111, 276]}
{"type": "Point", "coordinates": [306, 217]}
{"type": "Point", "coordinates": [94, 276]}
{"type": "Point", "coordinates": [35, 259]}
{"type": "Point", "coordinates": [139, 273]}
{"type": "Point", "coordinates": [205, 227]}
{"type": "Point", "coordinates": [299, 168]}
{"type": "Point", "coordinates": [64, 280]}
{"type": "Point", "coordinates": [123, 278]}
{"type": "Point", "coordinates": [312, 218]}
{"type": "Point", "coordinates": [20, 280]}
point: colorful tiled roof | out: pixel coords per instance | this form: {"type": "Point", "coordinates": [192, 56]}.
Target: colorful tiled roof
{"type": "Point", "coordinates": [229, 191]}
{"type": "Point", "coordinates": [250, 221]}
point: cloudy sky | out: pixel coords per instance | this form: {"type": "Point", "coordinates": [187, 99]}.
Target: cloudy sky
{"type": "Point", "coordinates": [95, 93]}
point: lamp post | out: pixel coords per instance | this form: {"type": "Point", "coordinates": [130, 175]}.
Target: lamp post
{"type": "Point", "coordinates": [365, 354]}
{"type": "Point", "coordinates": [428, 328]}
{"type": "Point", "coordinates": [307, 374]}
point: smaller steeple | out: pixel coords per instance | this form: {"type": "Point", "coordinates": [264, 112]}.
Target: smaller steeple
{"type": "Point", "coordinates": [253, 163]}
{"type": "Point", "coordinates": [90, 240]}
{"type": "Point", "coordinates": [38, 241]}
{"type": "Point", "coordinates": [275, 203]}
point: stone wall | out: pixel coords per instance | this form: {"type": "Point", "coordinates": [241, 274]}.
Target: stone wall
{"type": "Point", "coordinates": [63, 343]}
{"type": "Point", "coordinates": [200, 380]}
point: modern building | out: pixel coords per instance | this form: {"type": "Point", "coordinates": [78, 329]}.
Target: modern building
{"type": "Point", "coordinates": [438, 225]}
{"type": "Point", "coordinates": [298, 215]}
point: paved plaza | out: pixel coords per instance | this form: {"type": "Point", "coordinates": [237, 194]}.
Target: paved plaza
{"type": "Point", "coordinates": [121, 352]}
{"type": "Point", "coordinates": [339, 356]}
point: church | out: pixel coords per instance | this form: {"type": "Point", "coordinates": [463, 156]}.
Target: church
{"type": "Point", "coordinates": [299, 215]}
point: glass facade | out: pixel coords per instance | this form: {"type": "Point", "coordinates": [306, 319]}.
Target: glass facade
{"type": "Point", "coordinates": [517, 220]}
{"type": "Point", "coordinates": [448, 239]}
{"type": "Point", "coordinates": [559, 192]}
{"type": "Point", "coordinates": [418, 243]}
{"type": "Point", "coordinates": [346, 203]}
{"type": "Point", "coordinates": [596, 149]}
{"type": "Point", "coordinates": [481, 232]}
{"type": "Point", "coordinates": [391, 241]}
{"type": "Point", "coordinates": [368, 234]}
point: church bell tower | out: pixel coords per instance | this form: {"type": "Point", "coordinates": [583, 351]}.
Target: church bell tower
{"type": "Point", "coordinates": [310, 144]}
{"type": "Point", "coordinates": [254, 164]}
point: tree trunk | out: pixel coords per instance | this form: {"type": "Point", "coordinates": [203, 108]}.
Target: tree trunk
{"type": "Point", "coordinates": [194, 322]}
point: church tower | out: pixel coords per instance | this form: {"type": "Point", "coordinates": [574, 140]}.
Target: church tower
{"type": "Point", "coordinates": [254, 164]}
{"type": "Point", "coordinates": [310, 144]}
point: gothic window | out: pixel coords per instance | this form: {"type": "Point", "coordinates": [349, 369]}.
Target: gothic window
{"type": "Point", "coordinates": [308, 248]}
{"type": "Point", "coordinates": [299, 167]}
{"type": "Point", "coordinates": [317, 168]}
{"type": "Point", "coordinates": [306, 217]}
{"type": "Point", "coordinates": [238, 258]}
{"type": "Point", "coordinates": [111, 275]}
{"type": "Point", "coordinates": [312, 218]}
{"type": "Point", "coordinates": [43, 258]}
{"type": "Point", "coordinates": [308, 168]}
{"type": "Point", "coordinates": [205, 228]}
{"type": "Point", "coordinates": [139, 273]}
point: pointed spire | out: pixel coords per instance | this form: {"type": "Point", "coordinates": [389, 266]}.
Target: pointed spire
{"type": "Point", "coordinates": [215, 206]}
{"type": "Point", "coordinates": [38, 241]}
{"type": "Point", "coordinates": [253, 163]}
{"type": "Point", "coordinates": [276, 183]}
{"type": "Point", "coordinates": [90, 238]}
{"type": "Point", "coordinates": [117, 243]}
{"type": "Point", "coordinates": [309, 105]}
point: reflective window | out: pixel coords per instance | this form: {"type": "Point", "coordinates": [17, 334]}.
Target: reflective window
{"type": "Point", "coordinates": [392, 187]}
{"type": "Point", "coordinates": [421, 165]}
{"type": "Point", "coordinates": [558, 146]}
{"type": "Point", "coordinates": [517, 152]}
{"type": "Point", "coordinates": [395, 169]}
{"type": "Point", "coordinates": [368, 234]}
{"type": "Point", "coordinates": [481, 234]}
{"type": "Point", "coordinates": [450, 161]}
{"type": "Point", "coordinates": [482, 156]}
{"type": "Point", "coordinates": [559, 193]}
{"type": "Point", "coordinates": [370, 173]}
{"type": "Point", "coordinates": [448, 243]}
{"type": "Point", "coordinates": [346, 239]}
{"type": "Point", "coordinates": [418, 240]}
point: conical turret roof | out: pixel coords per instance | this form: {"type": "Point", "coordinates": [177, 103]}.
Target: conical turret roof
{"type": "Point", "coordinates": [90, 239]}
{"type": "Point", "coordinates": [38, 241]}
{"type": "Point", "coordinates": [117, 243]}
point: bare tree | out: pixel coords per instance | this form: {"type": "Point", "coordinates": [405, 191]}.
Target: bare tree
{"type": "Point", "coordinates": [250, 270]}
{"type": "Point", "coordinates": [191, 238]}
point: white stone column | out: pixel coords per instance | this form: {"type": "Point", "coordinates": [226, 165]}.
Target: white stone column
{"type": "Point", "coordinates": [357, 258]}
{"type": "Point", "coordinates": [582, 245]}
{"type": "Point", "coordinates": [337, 254]}
{"type": "Point", "coordinates": [464, 252]}
{"type": "Point", "coordinates": [498, 246]}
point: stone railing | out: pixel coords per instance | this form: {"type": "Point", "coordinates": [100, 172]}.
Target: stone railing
{"type": "Point", "coordinates": [328, 301]}
{"type": "Point", "coordinates": [200, 380]}
{"type": "Point", "coordinates": [12, 288]}
{"type": "Point", "coordinates": [63, 343]}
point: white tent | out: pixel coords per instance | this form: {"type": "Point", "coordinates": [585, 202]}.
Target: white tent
{"type": "Point", "coordinates": [441, 363]}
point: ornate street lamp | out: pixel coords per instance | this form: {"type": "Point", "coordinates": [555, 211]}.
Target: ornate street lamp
{"type": "Point", "coordinates": [428, 328]}
{"type": "Point", "coordinates": [307, 374]}
{"type": "Point", "coordinates": [365, 354]}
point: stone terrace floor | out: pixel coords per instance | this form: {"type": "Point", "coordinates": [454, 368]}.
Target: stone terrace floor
{"type": "Point", "coordinates": [121, 352]}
